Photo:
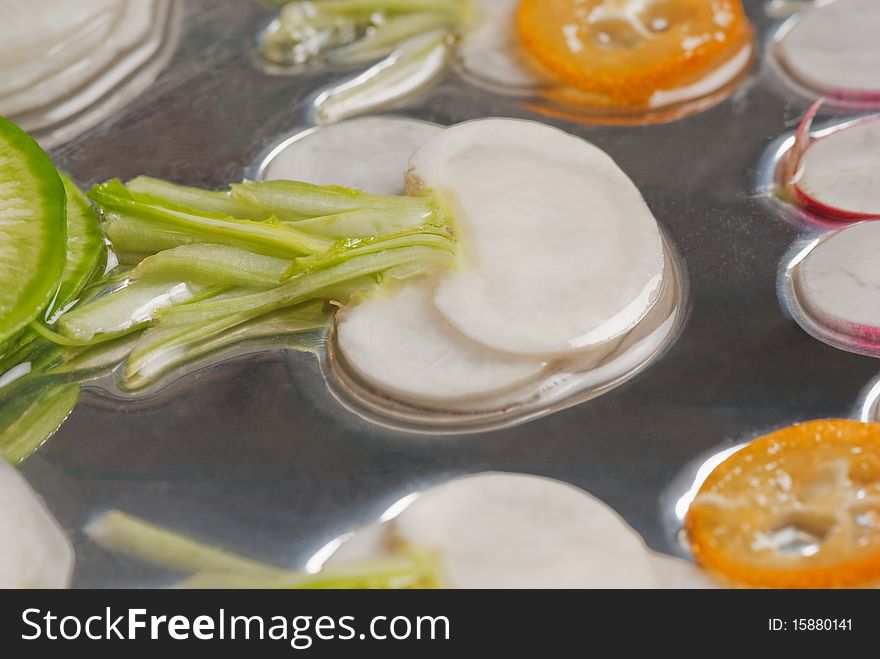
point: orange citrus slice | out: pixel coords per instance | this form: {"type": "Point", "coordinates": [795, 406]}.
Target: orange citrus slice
{"type": "Point", "coordinates": [799, 508]}
{"type": "Point", "coordinates": [626, 50]}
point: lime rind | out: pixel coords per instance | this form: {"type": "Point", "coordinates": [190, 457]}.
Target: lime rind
{"type": "Point", "coordinates": [33, 228]}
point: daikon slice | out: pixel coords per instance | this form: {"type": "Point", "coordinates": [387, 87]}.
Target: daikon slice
{"type": "Point", "coordinates": [34, 551]}
{"type": "Point", "coordinates": [401, 345]}
{"type": "Point", "coordinates": [369, 154]}
{"type": "Point", "coordinates": [834, 49]}
{"type": "Point", "coordinates": [839, 175]}
{"type": "Point", "coordinates": [558, 250]}
{"type": "Point", "coordinates": [492, 52]}
{"type": "Point", "coordinates": [497, 530]}
{"type": "Point", "coordinates": [839, 281]}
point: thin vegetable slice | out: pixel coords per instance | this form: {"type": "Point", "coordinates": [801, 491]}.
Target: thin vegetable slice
{"type": "Point", "coordinates": [833, 49]}
{"type": "Point", "coordinates": [34, 551]}
{"type": "Point", "coordinates": [32, 230]}
{"type": "Point", "coordinates": [124, 310]}
{"type": "Point", "coordinates": [86, 250]}
{"type": "Point", "coordinates": [33, 417]}
{"type": "Point", "coordinates": [214, 264]}
{"type": "Point", "coordinates": [837, 176]}
{"type": "Point", "coordinates": [270, 238]}
{"type": "Point", "coordinates": [798, 508]}
{"type": "Point", "coordinates": [218, 568]}
{"type": "Point", "coordinates": [381, 147]}
{"type": "Point", "coordinates": [572, 264]}
{"type": "Point", "coordinates": [399, 343]}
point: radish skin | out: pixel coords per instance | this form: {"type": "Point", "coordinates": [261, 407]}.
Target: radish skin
{"type": "Point", "coordinates": [838, 176]}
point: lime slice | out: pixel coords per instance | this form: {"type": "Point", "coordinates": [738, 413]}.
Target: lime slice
{"type": "Point", "coordinates": [86, 249]}
{"type": "Point", "coordinates": [32, 229]}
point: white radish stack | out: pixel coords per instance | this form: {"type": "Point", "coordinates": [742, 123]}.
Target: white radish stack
{"type": "Point", "coordinates": [833, 49]}
{"type": "Point", "coordinates": [499, 530]}
{"type": "Point", "coordinates": [61, 60]}
{"type": "Point", "coordinates": [560, 259]}
{"type": "Point", "coordinates": [839, 174]}
{"type": "Point", "coordinates": [838, 282]}
{"type": "Point", "coordinates": [34, 551]}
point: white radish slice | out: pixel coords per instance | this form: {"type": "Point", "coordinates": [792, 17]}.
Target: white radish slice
{"type": "Point", "coordinates": [838, 282]}
{"type": "Point", "coordinates": [839, 175]}
{"type": "Point", "coordinates": [34, 551]}
{"type": "Point", "coordinates": [558, 250]}
{"type": "Point", "coordinates": [492, 53]}
{"type": "Point", "coordinates": [400, 344]}
{"type": "Point", "coordinates": [369, 154]}
{"type": "Point", "coordinates": [834, 50]}
{"type": "Point", "coordinates": [497, 530]}
{"type": "Point", "coordinates": [85, 59]}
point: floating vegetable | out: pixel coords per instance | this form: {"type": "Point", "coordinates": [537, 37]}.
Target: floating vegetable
{"type": "Point", "coordinates": [838, 282]}
{"type": "Point", "coordinates": [381, 147]}
{"type": "Point", "coordinates": [799, 508]}
{"type": "Point", "coordinates": [832, 49]}
{"type": "Point", "coordinates": [626, 56]}
{"type": "Point", "coordinates": [34, 551]}
{"type": "Point", "coordinates": [217, 568]}
{"type": "Point", "coordinates": [64, 66]}
{"type": "Point", "coordinates": [499, 530]}
{"type": "Point", "coordinates": [837, 175]}
{"type": "Point", "coordinates": [571, 264]}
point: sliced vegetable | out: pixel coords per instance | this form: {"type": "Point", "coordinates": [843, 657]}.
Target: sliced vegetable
{"type": "Point", "coordinates": [34, 551]}
{"type": "Point", "coordinates": [497, 530]}
{"type": "Point", "coordinates": [32, 230]}
{"type": "Point", "coordinates": [218, 568]}
{"type": "Point", "coordinates": [399, 343]}
{"type": "Point", "coordinates": [304, 318]}
{"type": "Point", "coordinates": [412, 67]}
{"type": "Point", "coordinates": [381, 146]}
{"type": "Point", "coordinates": [838, 282]}
{"type": "Point", "coordinates": [798, 508]}
{"type": "Point", "coordinates": [200, 321]}
{"type": "Point", "coordinates": [270, 238]}
{"type": "Point", "coordinates": [351, 31]}
{"type": "Point", "coordinates": [838, 176]}
{"type": "Point", "coordinates": [572, 264]}
{"type": "Point", "coordinates": [181, 197]}
{"type": "Point", "coordinates": [86, 250]}
{"type": "Point", "coordinates": [832, 48]}
{"type": "Point", "coordinates": [124, 310]}
{"type": "Point", "coordinates": [33, 416]}
{"type": "Point", "coordinates": [216, 264]}
{"type": "Point", "coordinates": [294, 200]}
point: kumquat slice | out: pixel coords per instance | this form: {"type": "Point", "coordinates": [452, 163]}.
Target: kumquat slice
{"type": "Point", "coordinates": [624, 51]}
{"type": "Point", "coordinates": [799, 508]}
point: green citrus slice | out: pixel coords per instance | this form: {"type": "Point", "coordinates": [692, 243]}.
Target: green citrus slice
{"type": "Point", "coordinates": [33, 227]}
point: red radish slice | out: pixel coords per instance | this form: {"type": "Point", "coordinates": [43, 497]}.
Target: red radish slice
{"type": "Point", "coordinates": [558, 251]}
{"type": "Point", "coordinates": [838, 282]}
{"type": "Point", "coordinates": [369, 154]}
{"type": "Point", "coordinates": [838, 176]}
{"type": "Point", "coordinates": [401, 345]}
{"type": "Point", "coordinates": [497, 530]}
{"type": "Point", "coordinates": [834, 50]}
{"type": "Point", "coordinates": [34, 551]}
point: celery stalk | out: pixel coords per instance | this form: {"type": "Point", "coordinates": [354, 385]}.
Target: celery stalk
{"type": "Point", "coordinates": [182, 197]}
{"type": "Point", "coordinates": [33, 417]}
{"type": "Point", "coordinates": [219, 264]}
